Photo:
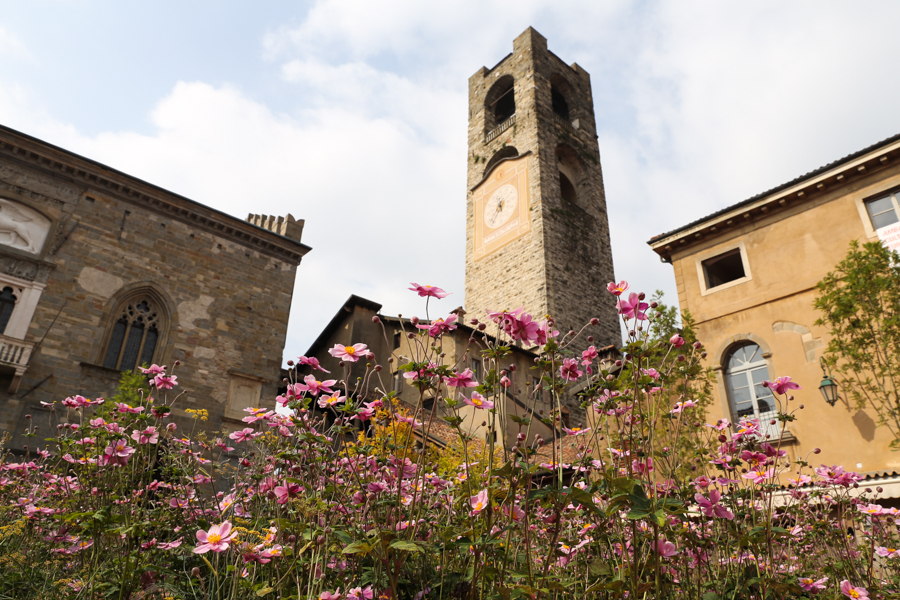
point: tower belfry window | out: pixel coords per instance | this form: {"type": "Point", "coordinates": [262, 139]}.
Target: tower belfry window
{"type": "Point", "coordinates": [566, 189]}
{"type": "Point", "coordinates": [500, 102]}
{"type": "Point", "coordinates": [560, 106]}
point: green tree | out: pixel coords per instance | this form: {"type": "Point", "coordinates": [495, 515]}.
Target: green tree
{"type": "Point", "coordinates": [860, 305]}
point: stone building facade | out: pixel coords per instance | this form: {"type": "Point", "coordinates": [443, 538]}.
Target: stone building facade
{"type": "Point", "coordinates": [100, 272]}
{"type": "Point", "coordinates": [748, 275]}
{"type": "Point", "coordinates": [537, 233]}
{"type": "Point", "coordinates": [388, 340]}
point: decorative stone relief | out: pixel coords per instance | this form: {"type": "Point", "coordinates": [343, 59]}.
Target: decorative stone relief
{"type": "Point", "coordinates": [22, 227]}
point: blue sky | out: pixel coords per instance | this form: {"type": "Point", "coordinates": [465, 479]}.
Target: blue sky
{"type": "Point", "coordinates": [352, 114]}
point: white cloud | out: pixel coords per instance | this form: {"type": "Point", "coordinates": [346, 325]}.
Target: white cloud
{"type": "Point", "coordinates": [699, 105]}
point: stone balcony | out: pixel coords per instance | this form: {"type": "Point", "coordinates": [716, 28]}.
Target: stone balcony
{"type": "Point", "coordinates": [14, 355]}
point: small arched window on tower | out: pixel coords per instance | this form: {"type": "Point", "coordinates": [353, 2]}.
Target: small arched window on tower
{"type": "Point", "coordinates": [560, 106]}
{"type": "Point", "coordinates": [135, 334]}
{"type": "Point", "coordinates": [500, 102]}
{"type": "Point", "coordinates": [570, 176]}
{"type": "Point", "coordinates": [559, 91]}
{"type": "Point", "coordinates": [745, 370]}
{"type": "Point", "coordinates": [7, 304]}
{"type": "Point", "coordinates": [567, 190]}
{"type": "Point", "coordinates": [504, 152]}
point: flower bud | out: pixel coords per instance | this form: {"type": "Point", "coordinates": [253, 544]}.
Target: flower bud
{"type": "Point", "coordinates": [703, 355]}
{"type": "Point", "coordinates": [414, 320]}
{"type": "Point", "coordinates": [697, 345]}
{"type": "Point", "coordinates": [512, 368]}
{"type": "Point", "coordinates": [473, 322]}
{"type": "Point", "coordinates": [641, 296]}
{"type": "Point", "coordinates": [609, 377]}
{"type": "Point", "coordinates": [411, 335]}
{"type": "Point", "coordinates": [590, 339]}
{"type": "Point", "coordinates": [618, 363]}
{"type": "Point", "coordinates": [723, 439]}
{"type": "Point", "coordinates": [595, 321]}
{"type": "Point", "coordinates": [571, 332]}
{"type": "Point", "coordinates": [176, 363]}
{"type": "Point", "coordinates": [482, 327]}
{"type": "Point", "coordinates": [377, 368]}
{"type": "Point", "coordinates": [195, 572]}
{"type": "Point", "coordinates": [27, 416]}
{"type": "Point", "coordinates": [817, 450]}
{"type": "Point", "coordinates": [654, 304]}
{"type": "Point", "coordinates": [370, 356]}
{"type": "Point", "coordinates": [290, 363]}
{"type": "Point", "coordinates": [375, 319]}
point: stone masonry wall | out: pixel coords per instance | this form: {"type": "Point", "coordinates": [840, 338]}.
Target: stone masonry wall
{"type": "Point", "coordinates": [227, 299]}
{"type": "Point", "coordinates": [562, 266]}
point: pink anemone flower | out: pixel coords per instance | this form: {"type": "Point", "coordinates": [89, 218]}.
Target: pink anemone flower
{"type": "Point", "coordinates": [616, 289]}
{"type": "Point", "coordinates": [428, 290]}
{"type": "Point", "coordinates": [851, 591]}
{"type": "Point", "coordinates": [478, 401]}
{"type": "Point", "coordinates": [478, 502]}
{"type": "Point", "coordinates": [349, 353]}
{"type": "Point", "coordinates": [216, 539]}
{"type": "Point", "coordinates": [781, 385]}
{"type": "Point", "coordinates": [632, 308]}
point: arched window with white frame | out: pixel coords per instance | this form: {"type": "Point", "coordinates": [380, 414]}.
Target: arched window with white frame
{"type": "Point", "coordinates": [745, 371]}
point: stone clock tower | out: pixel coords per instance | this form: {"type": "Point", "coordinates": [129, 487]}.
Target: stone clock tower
{"type": "Point", "coordinates": [537, 233]}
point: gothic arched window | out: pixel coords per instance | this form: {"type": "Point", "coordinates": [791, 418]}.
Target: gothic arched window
{"type": "Point", "coordinates": [135, 333]}
{"type": "Point", "coordinates": [7, 304]}
{"type": "Point", "coordinates": [745, 370]}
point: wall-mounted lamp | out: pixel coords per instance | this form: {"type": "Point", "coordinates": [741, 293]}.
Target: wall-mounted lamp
{"type": "Point", "coordinates": [828, 387]}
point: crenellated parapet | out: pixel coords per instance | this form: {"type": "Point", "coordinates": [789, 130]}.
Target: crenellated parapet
{"type": "Point", "coordinates": [287, 225]}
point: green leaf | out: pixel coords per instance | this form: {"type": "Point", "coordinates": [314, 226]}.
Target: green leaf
{"type": "Point", "coordinates": [264, 591]}
{"type": "Point", "coordinates": [357, 548]}
{"type": "Point", "coordinates": [405, 546]}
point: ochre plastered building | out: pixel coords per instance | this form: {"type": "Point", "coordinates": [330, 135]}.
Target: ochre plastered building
{"type": "Point", "coordinates": [748, 275]}
{"type": "Point", "coordinates": [100, 272]}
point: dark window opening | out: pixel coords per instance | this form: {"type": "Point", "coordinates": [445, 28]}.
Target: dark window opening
{"type": "Point", "coordinates": [724, 268]}
{"type": "Point", "coordinates": [505, 152]}
{"type": "Point", "coordinates": [500, 102]}
{"type": "Point", "coordinates": [505, 107]}
{"type": "Point", "coordinates": [7, 304]}
{"type": "Point", "coordinates": [427, 404]}
{"type": "Point", "coordinates": [133, 338]}
{"type": "Point", "coordinates": [560, 106]}
{"type": "Point", "coordinates": [567, 190]}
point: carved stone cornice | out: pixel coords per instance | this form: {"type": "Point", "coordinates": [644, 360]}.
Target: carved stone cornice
{"type": "Point", "coordinates": [87, 174]}
{"type": "Point", "coordinates": [23, 266]}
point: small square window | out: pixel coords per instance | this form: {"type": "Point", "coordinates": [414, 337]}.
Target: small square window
{"type": "Point", "coordinates": [723, 268]}
{"type": "Point", "coordinates": [883, 211]}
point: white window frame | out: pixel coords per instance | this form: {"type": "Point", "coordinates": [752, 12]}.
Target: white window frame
{"type": "Point", "coordinates": [27, 293]}
{"type": "Point", "coordinates": [719, 250]}
{"type": "Point", "coordinates": [773, 431]}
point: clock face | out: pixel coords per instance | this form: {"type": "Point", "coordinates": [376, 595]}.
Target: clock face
{"type": "Point", "coordinates": [500, 212]}
{"type": "Point", "coordinates": [501, 206]}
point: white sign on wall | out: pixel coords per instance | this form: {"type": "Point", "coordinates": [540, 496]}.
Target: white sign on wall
{"type": "Point", "coordinates": [890, 236]}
